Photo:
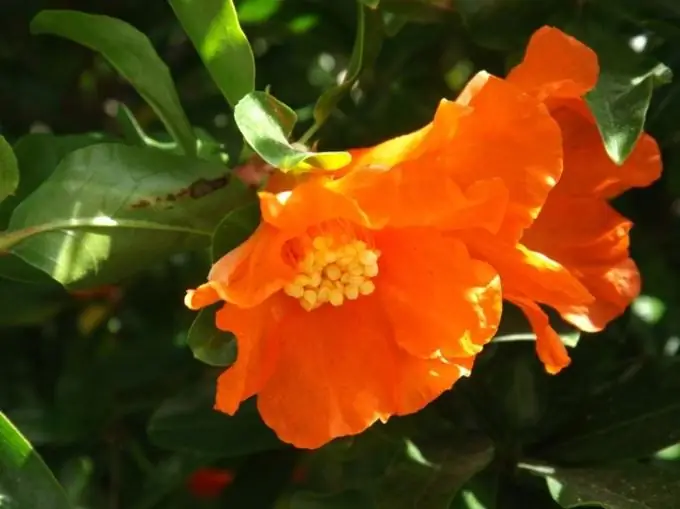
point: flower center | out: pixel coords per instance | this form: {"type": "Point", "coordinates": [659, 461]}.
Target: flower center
{"type": "Point", "coordinates": [332, 271]}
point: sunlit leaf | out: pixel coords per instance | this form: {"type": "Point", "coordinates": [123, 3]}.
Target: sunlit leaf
{"type": "Point", "coordinates": [9, 170]}
{"type": "Point", "coordinates": [265, 124]}
{"type": "Point", "coordinates": [110, 210]}
{"type": "Point", "coordinates": [24, 477]}
{"type": "Point", "coordinates": [131, 53]}
{"type": "Point", "coordinates": [38, 155]}
{"type": "Point", "coordinates": [213, 27]}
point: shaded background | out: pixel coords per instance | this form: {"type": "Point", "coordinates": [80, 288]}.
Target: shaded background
{"type": "Point", "coordinates": [83, 374]}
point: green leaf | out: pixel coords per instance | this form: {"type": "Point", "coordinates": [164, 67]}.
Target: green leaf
{"type": "Point", "coordinates": [9, 170]}
{"type": "Point", "coordinates": [24, 477]}
{"type": "Point", "coordinates": [620, 100]}
{"type": "Point", "coordinates": [38, 155]}
{"type": "Point", "coordinates": [235, 228]}
{"type": "Point", "coordinates": [429, 473]}
{"type": "Point", "coordinates": [213, 27]}
{"type": "Point", "coordinates": [265, 124]}
{"type": "Point", "coordinates": [133, 132]}
{"type": "Point", "coordinates": [187, 422]}
{"type": "Point", "coordinates": [131, 53]}
{"type": "Point", "coordinates": [210, 344]}
{"type": "Point", "coordinates": [619, 104]}
{"type": "Point", "coordinates": [368, 37]}
{"type": "Point", "coordinates": [623, 421]}
{"type": "Point", "coordinates": [110, 210]}
{"type": "Point", "coordinates": [625, 486]}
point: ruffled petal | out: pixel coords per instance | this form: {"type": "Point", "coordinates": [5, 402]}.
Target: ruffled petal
{"type": "Point", "coordinates": [440, 300]}
{"type": "Point", "coordinates": [591, 240]}
{"type": "Point", "coordinates": [421, 381]}
{"type": "Point", "coordinates": [588, 170]}
{"type": "Point", "coordinates": [614, 286]}
{"type": "Point", "coordinates": [311, 202]}
{"type": "Point", "coordinates": [334, 376]}
{"type": "Point", "coordinates": [556, 65]}
{"type": "Point", "coordinates": [511, 136]}
{"type": "Point", "coordinates": [257, 350]}
{"type": "Point", "coordinates": [549, 347]}
{"type": "Point", "coordinates": [203, 296]}
{"type": "Point", "coordinates": [529, 273]}
{"type": "Point", "coordinates": [411, 195]}
{"type": "Point", "coordinates": [494, 133]}
{"type": "Point", "coordinates": [255, 270]}
{"type": "Point", "coordinates": [374, 189]}
{"type": "Point", "coordinates": [340, 370]}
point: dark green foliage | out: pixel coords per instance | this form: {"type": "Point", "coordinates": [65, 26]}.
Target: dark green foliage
{"type": "Point", "coordinates": [104, 381]}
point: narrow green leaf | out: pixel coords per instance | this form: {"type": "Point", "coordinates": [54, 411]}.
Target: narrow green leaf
{"type": "Point", "coordinates": [188, 422]}
{"type": "Point", "coordinates": [208, 343]}
{"type": "Point", "coordinates": [110, 210]}
{"type": "Point", "coordinates": [9, 170]}
{"type": "Point", "coordinates": [131, 53]}
{"type": "Point", "coordinates": [235, 228]}
{"type": "Point", "coordinates": [213, 27]}
{"type": "Point", "coordinates": [258, 116]}
{"type": "Point", "coordinates": [369, 34]}
{"type": "Point", "coordinates": [623, 486]}
{"type": "Point", "coordinates": [24, 477]}
{"type": "Point", "coordinates": [133, 132]}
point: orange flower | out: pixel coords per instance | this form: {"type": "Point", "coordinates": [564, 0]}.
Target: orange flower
{"type": "Point", "coordinates": [357, 297]}
{"type": "Point", "coordinates": [577, 231]}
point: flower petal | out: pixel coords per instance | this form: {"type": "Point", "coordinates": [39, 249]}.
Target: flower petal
{"type": "Point", "coordinates": [556, 65]}
{"type": "Point", "coordinates": [311, 202]}
{"type": "Point", "coordinates": [421, 381]}
{"type": "Point", "coordinates": [340, 371]}
{"type": "Point", "coordinates": [334, 376]}
{"type": "Point", "coordinates": [257, 351]}
{"type": "Point", "coordinates": [410, 195]}
{"type": "Point", "coordinates": [249, 274]}
{"type": "Point", "coordinates": [549, 347]}
{"type": "Point", "coordinates": [588, 170]}
{"type": "Point", "coordinates": [614, 286]}
{"type": "Point", "coordinates": [591, 240]}
{"type": "Point", "coordinates": [528, 273]}
{"type": "Point", "coordinates": [439, 300]}
{"type": "Point", "coordinates": [203, 296]}
{"type": "Point", "coordinates": [510, 136]}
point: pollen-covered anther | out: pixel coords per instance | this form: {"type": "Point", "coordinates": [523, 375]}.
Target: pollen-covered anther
{"type": "Point", "coordinates": [332, 272]}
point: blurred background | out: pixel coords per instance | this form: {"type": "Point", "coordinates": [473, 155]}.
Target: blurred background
{"type": "Point", "coordinates": [102, 382]}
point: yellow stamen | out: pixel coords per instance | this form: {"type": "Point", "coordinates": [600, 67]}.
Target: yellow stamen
{"type": "Point", "coordinates": [335, 270]}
